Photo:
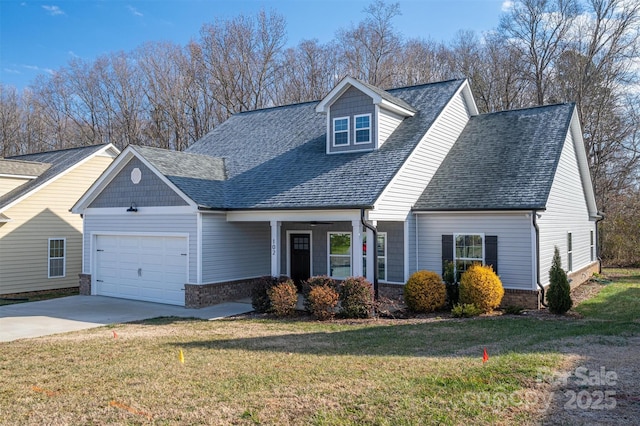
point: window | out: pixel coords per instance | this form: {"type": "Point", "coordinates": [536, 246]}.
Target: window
{"type": "Point", "coordinates": [593, 247]}
{"type": "Point", "coordinates": [363, 128]}
{"type": "Point", "coordinates": [382, 255]}
{"type": "Point", "coordinates": [469, 249]}
{"type": "Point", "coordinates": [569, 252]}
{"type": "Point", "coordinates": [56, 257]}
{"type": "Point", "coordinates": [341, 131]}
{"type": "Point", "coordinates": [339, 254]}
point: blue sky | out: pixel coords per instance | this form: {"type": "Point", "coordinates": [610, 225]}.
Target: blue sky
{"type": "Point", "coordinates": [38, 37]}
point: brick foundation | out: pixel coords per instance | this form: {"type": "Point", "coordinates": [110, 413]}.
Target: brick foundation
{"type": "Point", "coordinates": [85, 284]}
{"type": "Point", "coordinates": [391, 291]}
{"type": "Point", "coordinates": [528, 299]}
{"type": "Point", "coordinates": [199, 296]}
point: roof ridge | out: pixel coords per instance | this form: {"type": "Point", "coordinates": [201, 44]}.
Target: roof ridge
{"type": "Point", "coordinates": [506, 111]}
{"type": "Point", "coordinates": [76, 148]}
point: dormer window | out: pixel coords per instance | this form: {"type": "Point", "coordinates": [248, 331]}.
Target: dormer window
{"type": "Point", "coordinates": [341, 131]}
{"type": "Point", "coordinates": [363, 128]}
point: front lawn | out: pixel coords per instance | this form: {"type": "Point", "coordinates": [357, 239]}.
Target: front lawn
{"type": "Point", "coordinates": [247, 371]}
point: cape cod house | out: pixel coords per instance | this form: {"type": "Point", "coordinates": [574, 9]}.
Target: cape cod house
{"type": "Point", "coordinates": [301, 189]}
{"type": "Point", "coordinates": [40, 239]}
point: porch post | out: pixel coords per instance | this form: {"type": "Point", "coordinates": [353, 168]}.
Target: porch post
{"type": "Point", "coordinates": [356, 249]}
{"type": "Point", "coordinates": [275, 248]}
{"type": "Point", "coordinates": [371, 246]}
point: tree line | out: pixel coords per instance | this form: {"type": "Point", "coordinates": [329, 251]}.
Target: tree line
{"type": "Point", "coordinates": [543, 51]}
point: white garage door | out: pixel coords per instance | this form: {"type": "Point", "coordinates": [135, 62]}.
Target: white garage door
{"type": "Point", "coordinates": [151, 268]}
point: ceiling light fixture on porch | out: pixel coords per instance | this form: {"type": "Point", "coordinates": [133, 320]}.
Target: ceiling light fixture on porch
{"type": "Point", "coordinates": [133, 208]}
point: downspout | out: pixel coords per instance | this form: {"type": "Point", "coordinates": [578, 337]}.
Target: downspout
{"type": "Point", "coordinates": [534, 214]}
{"type": "Point", "coordinates": [375, 252]}
{"type": "Point", "coordinates": [597, 242]}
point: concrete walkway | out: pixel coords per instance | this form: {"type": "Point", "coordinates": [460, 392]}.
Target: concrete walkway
{"type": "Point", "coordinates": [35, 319]}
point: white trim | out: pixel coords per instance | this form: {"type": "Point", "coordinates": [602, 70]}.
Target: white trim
{"type": "Point", "coordinates": [56, 177]}
{"type": "Point", "coordinates": [122, 211]}
{"type": "Point", "coordinates": [199, 247]}
{"type": "Point", "coordinates": [583, 163]}
{"type": "Point", "coordinates": [386, 257]}
{"type": "Point", "coordinates": [350, 255]}
{"type": "Point", "coordinates": [351, 151]}
{"type": "Point", "coordinates": [524, 213]}
{"type": "Point", "coordinates": [292, 215]}
{"type": "Point", "coordinates": [288, 253]}
{"type": "Point", "coordinates": [376, 141]}
{"type": "Point", "coordinates": [275, 247]}
{"type": "Point", "coordinates": [64, 257]}
{"type": "Point", "coordinates": [355, 130]}
{"type": "Point", "coordinates": [347, 131]}
{"type": "Point", "coordinates": [455, 258]}
{"type": "Point", "coordinates": [8, 176]}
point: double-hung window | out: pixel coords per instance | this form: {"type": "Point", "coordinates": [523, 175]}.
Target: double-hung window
{"type": "Point", "coordinates": [569, 251]}
{"type": "Point", "coordinates": [341, 131]}
{"type": "Point", "coordinates": [468, 249]}
{"type": "Point", "coordinates": [382, 255]}
{"type": "Point", "coordinates": [339, 254]}
{"type": "Point", "coordinates": [592, 247]}
{"type": "Point", "coordinates": [363, 128]}
{"type": "Point", "coordinates": [57, 257]}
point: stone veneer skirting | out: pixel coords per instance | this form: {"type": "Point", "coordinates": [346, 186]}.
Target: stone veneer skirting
{"type": "Point", "coordinates": [85, 284]}
{"type": "Point", "coordinates": [199, 296]}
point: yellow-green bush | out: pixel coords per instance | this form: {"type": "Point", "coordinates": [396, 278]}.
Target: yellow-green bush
{"type": "Point", "coordinates": [482, 287]}
{"type": "Point", "coordinates": [425, 292]}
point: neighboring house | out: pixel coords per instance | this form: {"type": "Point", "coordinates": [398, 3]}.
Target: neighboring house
{"type": "Point", "coordinates": [286, 190]}
{"type": "Point", "coordinates": [40, 239]}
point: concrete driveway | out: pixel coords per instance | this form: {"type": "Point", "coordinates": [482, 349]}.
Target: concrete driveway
{"type": "Point", "coordinates": [35, 319]}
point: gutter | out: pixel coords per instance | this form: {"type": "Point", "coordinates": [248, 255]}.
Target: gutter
{"type": "Point", "coordinates": [600, 218]}
{"type": "Point", "coordinates": [375, 253]}
{"type": "Point", "coordinates": [534, 214]}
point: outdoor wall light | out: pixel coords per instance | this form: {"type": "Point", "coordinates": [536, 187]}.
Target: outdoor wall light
{"type": "Point", "coordinates": [133, 208]}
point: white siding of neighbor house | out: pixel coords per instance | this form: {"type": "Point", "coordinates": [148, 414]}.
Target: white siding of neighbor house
{"type": "Point", "coordinates": [515, 260]}
{"type": "Point", "coordinates": [398, 198]}
{"type": "Point", "coordinates": [8, 184]}
{"type": "Point", "coordinates": [566, 212]}
{"type": "Point", "coordinates": [234, 250]}
{"type": "Point", "coordinates": [387, 122]}
{"type": "Point", "coordinates": [141, 224]}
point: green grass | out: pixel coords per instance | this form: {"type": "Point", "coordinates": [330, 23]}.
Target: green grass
{"type": "Point", "coordinates": [303, 372]}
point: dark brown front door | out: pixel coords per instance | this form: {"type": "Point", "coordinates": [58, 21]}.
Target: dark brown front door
{"type": "Point", "coordinates": [300, 257]}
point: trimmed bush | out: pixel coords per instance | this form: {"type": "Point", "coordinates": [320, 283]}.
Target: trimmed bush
{"type": "Point", "coordinates": [283, 298]}
{"type": "Point", "coordinates": [322, 301]}
{"type": "Point", "coordinates": [482, 287]}
{"type": "Point", "coordinates": [425, 292]}
{"type": "Point", "coordinates": [559, 292]}
{"type": "Point", "coordinates": [318, 280]}
{"type": "Point", "coordinates": [259, 296]}
{"type": "Point", "coordinates": [465, 310]}
{"type": "Point", "coordinates": [356, 298]}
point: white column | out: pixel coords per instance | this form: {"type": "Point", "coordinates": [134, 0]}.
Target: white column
{"type": "Point", "coordinates": [371, 246]}
{"type": "Point", "coordinates": [275, 248]}
{"type": "Point", "coordinates": [356, 249]}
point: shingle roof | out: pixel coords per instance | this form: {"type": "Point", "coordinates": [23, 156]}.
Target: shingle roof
{"type": "Point", "coordinates": [387, 96]}
{"type": "Point", "coordinates": [22, 168]}
{"type": "Point", "coordinates": [501, 161]}
{"type": "Point", "coordinates": [59, 161]}
{"type": "Point", "coordinates": [275, 158]}
{"type": "Point", "coordinates": [200, 177]}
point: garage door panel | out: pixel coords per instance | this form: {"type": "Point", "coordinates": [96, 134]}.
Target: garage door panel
{"type": "Point", "coordinates": [151, 268]}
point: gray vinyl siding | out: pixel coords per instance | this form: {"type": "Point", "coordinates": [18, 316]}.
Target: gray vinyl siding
{"type": "Point", "coordinates": [407, 186]}
{"type": "Point", "coordinates": [395, 250]}
{"type": "Point", "coordinates": [387, 123]}
{"type": "Point", "coordinates": [411, 236]}
{"type": "Point", "coordinates": [149, 192]}
{"type": "Point", "coordinates": [566, 212]}
{"type": "Point", "coordinates": [352, 102]}
{"type": "Point", "coordinates": [514, 232]}
{"type": "Point", "coordinates": [234, 250]}
{"type": "Point", "coordinates": [142, 224]}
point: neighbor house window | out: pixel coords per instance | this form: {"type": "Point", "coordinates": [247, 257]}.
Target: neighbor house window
{"type": "Point", "coordinates": [340, 254]}
{"type": "Point", "coordinates": [341, 131]}
{"type": "Point", "coordinates": [569, 252]}
{"type": "Point", "coordinates": [363, 128]}
{"type": "Point", "coordinates": [56, 257]}
{"type": "Point", "coordinates": [592, 246]}
{"type": "Point", "coordinates": [469, 249]}
{"type": "Point", "coordinates": [382, 255]}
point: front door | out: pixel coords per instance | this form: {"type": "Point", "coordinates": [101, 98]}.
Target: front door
{"type": "Point", "coordinates": [300, 245]}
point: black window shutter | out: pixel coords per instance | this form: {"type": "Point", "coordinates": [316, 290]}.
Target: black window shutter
{"type": "Point", "coordinates": [447, 250]}
{"type": "Point", "coordinates": [491, 251]}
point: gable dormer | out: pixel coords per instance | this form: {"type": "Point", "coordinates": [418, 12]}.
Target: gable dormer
{"type": "Point", "coordinates": [360, 117]}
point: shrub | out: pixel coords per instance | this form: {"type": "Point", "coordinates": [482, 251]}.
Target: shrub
{"type": "Point", "coordinates": [283, 298]}
{"type": "Point", "coordinates": [318, 280]}
{"type": "Point", "coordinates": [559, 292]}
{"type": "Point", "coordinates": [259, 296]}
{"type": "Point", "coordinates": [513, 310]}
{"type": "Point", "coordinates": [425, 292]}
{"type": "Point", "coordinates": [465, 310]}
{"type": "Point", "coordinates": [356, 298]}
{"type": "Point", "coordinates": [482, 287]}
{"type": "Point", "coordinates": [322, 301]}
